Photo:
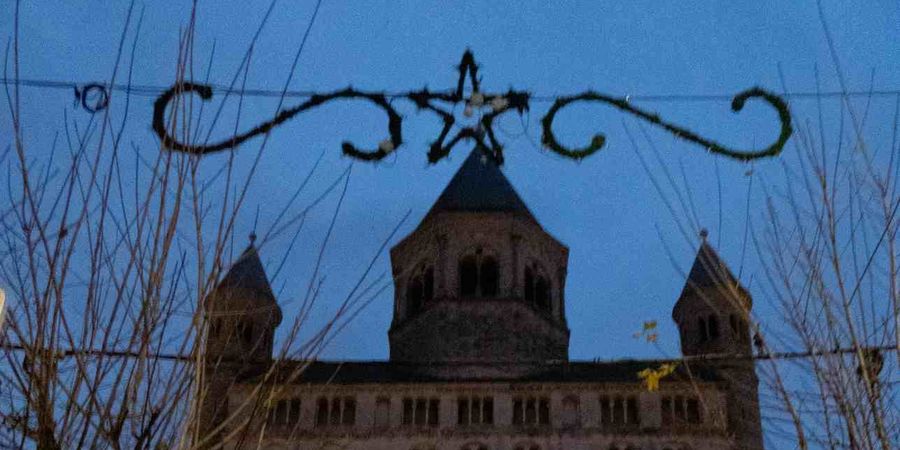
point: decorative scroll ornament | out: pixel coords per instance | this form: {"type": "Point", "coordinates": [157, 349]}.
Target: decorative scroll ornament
{"type": "Point", "coordinates": [487, 106]}
{"type": "Point", "coordinates": [737, 104]}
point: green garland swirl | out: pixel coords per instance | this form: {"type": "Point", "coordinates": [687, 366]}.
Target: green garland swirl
{"type": "Point", "coordinates": [549, 138]}
{"type": "Point", "coordinates": [205, 93]}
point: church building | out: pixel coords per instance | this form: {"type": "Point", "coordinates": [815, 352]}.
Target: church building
{"type": "Point", "coordinates": [479, 352]}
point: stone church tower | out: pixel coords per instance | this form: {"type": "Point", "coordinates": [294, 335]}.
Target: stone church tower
{"type": "Point", "coordinates": [712, 315]}
{"type": "Point", "coordinates": [479, 351]}
{"type": "Point", "coordinates": [242, 315]}
{"type": "Point", "coordinates": [459, 296]}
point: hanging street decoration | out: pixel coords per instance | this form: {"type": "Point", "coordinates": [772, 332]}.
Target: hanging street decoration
{"type": "Point", "coordinates": [495, 103]}
{"type": "Point", "coordinates": [485, 106]}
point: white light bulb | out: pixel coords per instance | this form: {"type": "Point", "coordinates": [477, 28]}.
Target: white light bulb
{"type": "Point", "coordinates": [499, 103]}
{"type": "Point", "coordinates": [477, 99]}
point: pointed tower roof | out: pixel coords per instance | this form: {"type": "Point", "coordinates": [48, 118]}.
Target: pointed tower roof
{"type": "Point", "coordinates": [480, 186]}
{"type": "Point", "coordinates": [709, 270]}
{"type": "Point", "coordinates": [247, 273]}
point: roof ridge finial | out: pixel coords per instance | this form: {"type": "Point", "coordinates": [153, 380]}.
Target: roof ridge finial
{"type": "Point", "coordinates": [704, 233]}
{"type": "Point", "coordinates": [255, 223]}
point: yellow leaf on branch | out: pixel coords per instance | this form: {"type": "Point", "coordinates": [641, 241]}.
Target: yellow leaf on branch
{"type": "Point", "coordinates": [651, 377]}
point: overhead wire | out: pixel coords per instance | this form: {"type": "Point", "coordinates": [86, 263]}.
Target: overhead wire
{"type": "Point", "coordinates": [155, 90]}
{"type": "Point", "coordinates": [710, 357]}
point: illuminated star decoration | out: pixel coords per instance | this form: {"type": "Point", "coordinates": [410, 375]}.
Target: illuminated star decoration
{"type": "Point", "coordinates": [489, 106]}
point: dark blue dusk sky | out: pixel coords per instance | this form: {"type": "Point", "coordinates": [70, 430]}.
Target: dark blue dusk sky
{"type": "Point", "coordinates": [619, 232]}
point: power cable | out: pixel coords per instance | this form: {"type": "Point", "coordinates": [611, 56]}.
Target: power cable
{"type": "Point", "coordinates": [155, 90]}
{"type": "Point", "coordinates": [67, 353]}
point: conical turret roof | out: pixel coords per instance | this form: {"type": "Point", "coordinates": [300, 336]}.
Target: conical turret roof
{"type": "Point", "coordinates": [709, 270]}
{"type": "Point", "coordinates": [247, 273]}
{"type": "Point", "coordinates": [710, 274]}
{"type": "Point", "coordinates": [480, 186]}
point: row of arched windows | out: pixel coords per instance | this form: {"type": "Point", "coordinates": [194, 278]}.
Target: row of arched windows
{"type": "Point", "coordinates": [708, 328]}
{"type": "Point", "coordinates": [479, 276]}
{"type": "Point", "coordinates": [244, 330]}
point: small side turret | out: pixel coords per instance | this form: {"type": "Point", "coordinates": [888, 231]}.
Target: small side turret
{"type": "Point", "coordinates": [713, 316]}
{"type": "Point", "coordinates": [713, 310]}
{"type": "Point", "coordinates": [242, 315]}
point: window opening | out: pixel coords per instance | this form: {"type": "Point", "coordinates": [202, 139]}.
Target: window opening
{"type": "Point", "coordinates": [337, 411]}
{"type": "Point", "coordinates": [419, 289]}
{"type": "Point", "coordinates": [420, 411]}
{"type": "Point", "coordinates": [537, 287]}
{"type": "Point", "coordinates": [531, 411]}
{"type": "Point", "coordinates": [479, 276]}
{"type": "Point", "coordinates": [284, 412]}
{"type": "Point", "coordinates": [619, 410]}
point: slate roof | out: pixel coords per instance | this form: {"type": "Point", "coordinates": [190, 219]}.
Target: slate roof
{"type": "Point", "coordinates": [709, 270]}
{"type": "Point", "coordinates": [248, 273]}
{"type": "Point", "coordinates": [386, 372]}
{"type": "Point", "coordinates": [480, 186]}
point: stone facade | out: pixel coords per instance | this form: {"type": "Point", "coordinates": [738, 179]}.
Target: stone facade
{"type": "Point", "coordinates": [479, 352]}
{"type": "Point", "coordinates": [576, 418]}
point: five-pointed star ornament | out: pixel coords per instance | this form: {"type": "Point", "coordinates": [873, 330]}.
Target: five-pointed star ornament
{"type": "Point", "coordinates": [487, 106]}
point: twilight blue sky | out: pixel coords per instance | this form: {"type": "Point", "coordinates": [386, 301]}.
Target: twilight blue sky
{"type": "Point", "coordinates": [604, 208]}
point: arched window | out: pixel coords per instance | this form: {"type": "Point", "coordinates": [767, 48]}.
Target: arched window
{"type": "Point", "coordinates": [713, 327]}
{"type": "Point", "coordinates": [738, 325]}
{"type": "Point", "coordinates": [245, 328]}
{"type": "Point", "coordinates": [479, 275]}
{"type": "Point", "coordinates": [489, 277]}
{"type": "Point", "coordinates": [419, 289]}
{"type": "Point", "coordinates": [542, 294]}
{"type": "Point", "coordinates": [468, 276]}
{"type": "Point", "coordinates": [702, 332]}
{"type": "Point", "coordinates": [537, 287]}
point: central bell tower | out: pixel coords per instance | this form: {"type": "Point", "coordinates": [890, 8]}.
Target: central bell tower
{"type": "Point", "coordinates": [479, 281]}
